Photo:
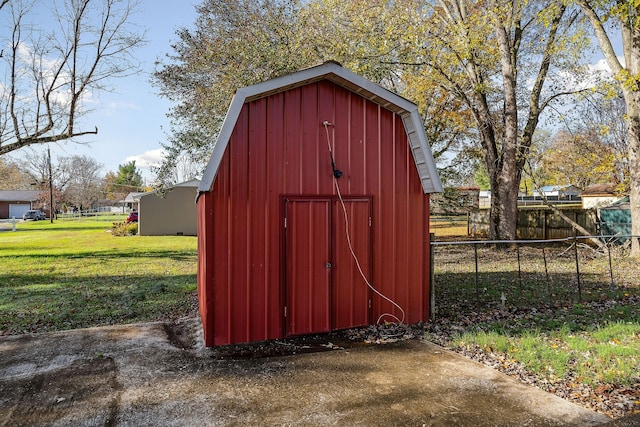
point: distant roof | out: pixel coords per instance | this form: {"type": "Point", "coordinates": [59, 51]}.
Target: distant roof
{"type": "Point", "coordinates": [191, 183]}
{"type": "Point", "coordinates": [133, 197]}
{"type": "Point", "coordinates": [340, 76]}
{"type": "Point", "coordinates": [600, 190]}
{"type": "Point", "coordinates": [548, 188]}
{"type": "Point", "coordinates": [18, 196]}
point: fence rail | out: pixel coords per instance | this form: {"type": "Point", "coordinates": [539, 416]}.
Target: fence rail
{"type": "Point", "coordinates": [93, 214]}
{"type": "Point", "coordinates": [514, 273]}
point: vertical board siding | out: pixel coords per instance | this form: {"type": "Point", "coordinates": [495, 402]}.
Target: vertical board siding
{"type": "Point", "coordinates": [257, 230]}
{"type": "Point", "coordinates": [308, 249]}
{"type": "Point", "coordinates": [274, 298]}
{"type": "Point", "coordinates": [205, 276]}
{"type": "Point", "coordinates": [239, 228]}
{"type": "Point", "coordinates": [279, 148]}
{"type": "Point", "coordinates": [350, 292]}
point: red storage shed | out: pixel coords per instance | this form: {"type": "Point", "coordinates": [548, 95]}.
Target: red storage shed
{"type": "Point", "coordinates": [300, 160]}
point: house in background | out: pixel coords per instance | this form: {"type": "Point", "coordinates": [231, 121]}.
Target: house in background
{"type": "Point", "coordinates": [297, 158]}
{"type": "Point", "coordinates": [484, 199]}
{"type": "Point", "coordinates": [599, 196]}
{"type": "Point", "coordinates": [558, 192]}
{"type": "Point", "coordinates": [130, 202]}
{"type": "Point", "coordinates": [13, 204]}
{"type": "Point", "coordinates": [170, 212]}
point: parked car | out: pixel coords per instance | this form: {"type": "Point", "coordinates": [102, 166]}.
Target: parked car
{"type": "Point", "coordinates": [133, 216]}
{"type": "Point", "coordinates": [34, 214]}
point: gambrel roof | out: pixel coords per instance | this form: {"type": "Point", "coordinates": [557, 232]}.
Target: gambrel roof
{"type": "Point", "coordinates": [340, 76]}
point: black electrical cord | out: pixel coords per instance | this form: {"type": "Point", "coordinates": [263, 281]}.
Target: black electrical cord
{"type": "Point", "coordinates": [337, 173]}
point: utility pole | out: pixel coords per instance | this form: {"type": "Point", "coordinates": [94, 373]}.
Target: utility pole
{"type": "Point", "coordinates": [51, 209]}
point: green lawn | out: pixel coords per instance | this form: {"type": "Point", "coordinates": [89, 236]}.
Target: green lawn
{"type": "Point", "coordinates": [74, 274]}
{"type": "Point", "coordinates": [605, 352]}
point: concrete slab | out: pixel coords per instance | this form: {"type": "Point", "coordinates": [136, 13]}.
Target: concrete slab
{"type": "Point", "coordinates": [134, 375]}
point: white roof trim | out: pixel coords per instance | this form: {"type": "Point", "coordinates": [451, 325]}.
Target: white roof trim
{"type": "Point", "coordinates": [335, 73]}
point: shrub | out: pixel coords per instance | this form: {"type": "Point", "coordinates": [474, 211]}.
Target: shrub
{"type": "Point", "coordinates": [124, 229]}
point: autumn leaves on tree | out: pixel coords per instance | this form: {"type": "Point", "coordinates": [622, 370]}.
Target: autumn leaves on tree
{"type": "Point", "coordinates": [485, 74]}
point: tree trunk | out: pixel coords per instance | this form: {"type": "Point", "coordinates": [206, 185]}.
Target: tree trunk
{"type": "Point", "coordinates": [633, 114]}
{"type": "Point", "coordinates": [508, 210]}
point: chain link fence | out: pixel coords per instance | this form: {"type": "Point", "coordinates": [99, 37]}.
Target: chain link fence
{"type": "Point", "coordinates": [485, 274]}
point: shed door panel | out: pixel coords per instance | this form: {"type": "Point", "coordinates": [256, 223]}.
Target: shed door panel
{"type": "Point", "coordinates": [307, 274]}
{"type": "Point", "coordinates": [324, 289]}
{"type": "Point", "coordinates": [350, 293]}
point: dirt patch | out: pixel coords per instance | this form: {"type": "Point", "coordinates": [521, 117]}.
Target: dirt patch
{"type": "Point", "coordinates": [46, 398]}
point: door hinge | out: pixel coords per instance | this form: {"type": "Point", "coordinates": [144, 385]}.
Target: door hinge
{"type": "Point", "coordinates": [285, 222]}
{"type": "Point", "coordinates": [369, 303]}
{"type": "Point", "coordinates": [369, 221]}
{"type": "Point", "coordinates": [285, 311]}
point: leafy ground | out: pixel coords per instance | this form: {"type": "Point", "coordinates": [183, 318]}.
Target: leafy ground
{"type": "Point", "coordinates": [527, 314]}
{"type": "Point", "coordinates": [75, 274]}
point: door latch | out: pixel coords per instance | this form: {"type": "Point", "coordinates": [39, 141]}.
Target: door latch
{"type": "Point", "coordinates": [329, 265]}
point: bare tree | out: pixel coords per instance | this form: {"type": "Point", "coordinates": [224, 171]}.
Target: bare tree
{"type": "Point", "coordinates": [35, 165]}
{"type": "Point", "coordinates": [55, 60]}
{"type": "Point", "coordinates": [12, 177]}
{"type": "Point", "coordinates": [83, 178]}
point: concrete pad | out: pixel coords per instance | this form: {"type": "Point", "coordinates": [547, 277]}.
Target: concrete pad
{"type": "Point", "coordinates": [134, 375]}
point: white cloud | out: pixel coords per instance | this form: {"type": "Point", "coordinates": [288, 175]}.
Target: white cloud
{"type": "Point", "coordinates": [600, 66]}
{"type": "Point", "coordinates": [594, 74]}
{"type": "Point", "coordinates": [148, 158]}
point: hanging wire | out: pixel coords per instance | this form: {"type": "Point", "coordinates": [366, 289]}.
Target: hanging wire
{"type": "Point", "coordinates": [336, 175]}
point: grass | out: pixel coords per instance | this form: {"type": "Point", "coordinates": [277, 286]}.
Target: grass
{"type": "Point", "coordinates": [74, 274]}
{"type": "Point", "coordinates": [605, 353]}
{"type": "Point", "coordinates": [448, 226]}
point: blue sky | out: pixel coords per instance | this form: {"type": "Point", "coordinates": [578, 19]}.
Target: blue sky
{"type": "Point", "coordinates": [132, 120]}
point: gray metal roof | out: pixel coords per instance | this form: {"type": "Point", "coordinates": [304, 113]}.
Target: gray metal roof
{"type": "Point", "coordinates": [18, 196]}
{"type": "Point", "coordinates": [191, 183]}
{"type": "Point", "coordinates": [186, 184]}
{"type": "Point", "coordinates": [335, 73]}
{"type": "Point", "coordinates": [132, 197]}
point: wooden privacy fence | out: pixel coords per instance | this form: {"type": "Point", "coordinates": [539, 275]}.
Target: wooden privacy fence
{"type": "Point", "coordinates": [538, 223]}
{"type": "Point", "coordinates": [471, 274]}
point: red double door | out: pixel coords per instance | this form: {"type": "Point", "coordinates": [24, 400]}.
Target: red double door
{"type": "Point", "coordinates": [324, 289]}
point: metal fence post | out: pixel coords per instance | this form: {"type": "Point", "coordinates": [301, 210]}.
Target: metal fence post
{"type": "Point", "coordinates": [432, 279]}
{"type": "Point", "coordinates": [612, 288]}
{"type": "Point", "coordinates": [546, 272]}
{"type": "Point", "coordinates": [475, 251]}
{"type": "Point", "coordinates": [519, 271]}
{"type": "Point", "coordinates": [575, 246]}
